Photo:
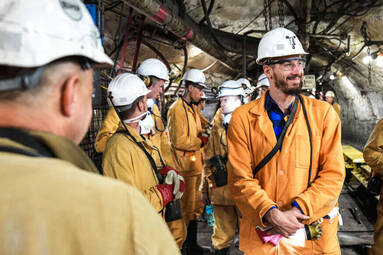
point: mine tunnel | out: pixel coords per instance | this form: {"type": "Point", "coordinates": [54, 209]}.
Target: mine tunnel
{"type": "Point", "coordinates": [222, 40]}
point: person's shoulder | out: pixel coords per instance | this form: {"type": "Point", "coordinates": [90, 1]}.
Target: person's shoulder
{"type": "Point", "coordinates": [60, 177]}
{"type": "Point", "coordinates": [118, 140]}
{"type": "Point", "coordinates": [379, 125]}
{"type": "Point", "coordinates": [246, 109]}
{"type": "Point", "coordinates": [316, 106]}
{"type": "Point", "coordinates": [175, 104]}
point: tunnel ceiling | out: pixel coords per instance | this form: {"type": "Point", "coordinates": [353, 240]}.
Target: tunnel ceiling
{"type": "Point", "coordinates": [330, 31]}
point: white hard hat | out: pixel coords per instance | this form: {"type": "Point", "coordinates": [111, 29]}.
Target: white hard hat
{"type": "Point", "coordinates": [231, 88]}
{"type": "Point", "coordinates": [279, 42]}
{"type": "Point", "coordinates": [245, 81]}
{"type": "Point", "coordinates": [195, 76]}
{"type": "Point", "coordinates": [34, 33]}
{"type": "Point", "coordinates": [153, 67]}
{"type": "Point", "coordinates": [330, 94]}
{"type": "Point", "coordinates": [125, 88]}
{"type": "Point", "coordinates": [249, 89]}
{"type": "Point", "coordinates": [263, 81]}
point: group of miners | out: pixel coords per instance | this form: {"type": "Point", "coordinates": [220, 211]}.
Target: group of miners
{"type": "Point", "coordinates": [272, 167]}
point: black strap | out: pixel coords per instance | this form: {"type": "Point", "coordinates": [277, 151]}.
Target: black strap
{"type": "Point", "coordinates": [23, 138]}
{"type": "Point", "coordinates": [280, 139]}
{"type": "Point", "coordinates": [19, 151]}
{"type": "Point", "coordinates": [152, 162]}
{"type": "Point", "coordinates": [311, 140]}
{"type": "Point", "coordinates": [186, 113]}
{"type": "Point", "coordinates": [150, 158]}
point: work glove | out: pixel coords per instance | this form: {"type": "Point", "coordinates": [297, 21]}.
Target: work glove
{"type": "Point", "coordinates": [166, 193]}
{"type": "Point", "coordinates": [204, 138]}
{"type": "Point", "coordinates": [174, 179]}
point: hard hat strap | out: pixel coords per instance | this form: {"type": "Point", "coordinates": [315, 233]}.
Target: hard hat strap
{"type": "Point", "coordinates": [26, 79]}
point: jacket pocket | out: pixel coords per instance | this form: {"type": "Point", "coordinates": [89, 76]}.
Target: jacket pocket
{"type": "Point", "coordinates": [190, 160]}
{"type": "Point", "coordinates": [302, 151]}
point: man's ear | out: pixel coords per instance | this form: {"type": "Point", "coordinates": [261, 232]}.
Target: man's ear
{"type": "Point", "coordinates": [141, 106]}
{"type": "Point", "coordinates": [267, 70]}
{"type": "Point", "coordinates": [69, 94]}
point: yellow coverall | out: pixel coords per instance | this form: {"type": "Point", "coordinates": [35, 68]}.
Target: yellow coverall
{"type": "Point", "coordinates": [337, 108]}
{"type": "Point", "coordinates": [204, 122]}
{"type": "Point", "coordinates": [184, 128]}
{"type": "Point", "coordinates": [225, 211]}
{"type": "Point", "coordinates": [124, 160]}
{"type": "Point", "coordinates": [55, 206]}
{"type": "Point", "coordinates": [373, 155]}
{"type": "Point", "coordinates": [160, 140]}
{"type": "Point", "coordinates": [284, 178]}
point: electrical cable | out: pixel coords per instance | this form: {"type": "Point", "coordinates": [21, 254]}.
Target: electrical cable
{"type": "Point", "coordinates": [210, 28]}
{"type": "Point", "coordinates": [208, 11]}
{"type": "Point", "coordinates": [113, 5]}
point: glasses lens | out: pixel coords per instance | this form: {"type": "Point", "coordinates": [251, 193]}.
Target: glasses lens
{"type": "Point", "coordinates": [290, 64]}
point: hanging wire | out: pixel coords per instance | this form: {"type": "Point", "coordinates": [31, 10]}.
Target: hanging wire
{"type": "Point", "coordinates": [270, 17]}
{"type": "Point", "coordinates": [281, 13]}
{"type": "Point", "coordinates": [266, 14]}
{"type": "Point", "coordinates": [212, 33]}
{"type": "Point", "coordinates": [369, 67]}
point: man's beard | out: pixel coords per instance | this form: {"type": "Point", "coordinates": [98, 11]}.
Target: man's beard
{"type": "Point", "coordinates": [282, 85]}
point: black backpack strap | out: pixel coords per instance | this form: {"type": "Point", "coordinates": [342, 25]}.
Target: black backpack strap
{"type": "Point", "coordinates": [271, 154]}
{"type": "Point", "coordinates": [22, 137]}
{"type": "Point", "coordinates": [311, 140]}
{"type": "Point", "coordinates": [19, 151]}
{"type": "Point", "coordinates": [150, 158]}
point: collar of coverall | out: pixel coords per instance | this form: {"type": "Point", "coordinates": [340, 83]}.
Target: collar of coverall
{"type": "Point", "coordinates": [190, 106]}
{"type": "Point", "coordinates": [139, 138]}
{"type": "Point", "coordinates": [260, 110]}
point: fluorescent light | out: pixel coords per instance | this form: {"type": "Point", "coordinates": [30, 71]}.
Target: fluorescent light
{"type": "Point", "coordinates": [367, 59]}
{"type": "Point", "coordinates": [194, 51]}
{"type": "Point", "coordinates": [379, 60]}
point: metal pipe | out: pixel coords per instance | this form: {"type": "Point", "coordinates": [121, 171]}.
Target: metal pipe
{"type": "Point", "coordinates": [123, 49]}
{"type": "Point", "coordinates": [138, 44]}
{"type": "Point", "coordinates": [185, 28]}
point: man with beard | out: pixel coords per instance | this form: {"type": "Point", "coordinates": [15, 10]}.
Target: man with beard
{"type": "Point", "coordinates": [286, 168]}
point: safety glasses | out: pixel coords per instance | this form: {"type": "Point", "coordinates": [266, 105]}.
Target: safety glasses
{"type": "Point", "coordinates": [290, 64]}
